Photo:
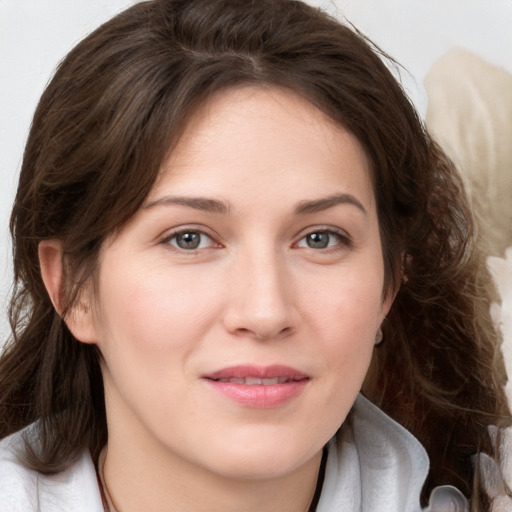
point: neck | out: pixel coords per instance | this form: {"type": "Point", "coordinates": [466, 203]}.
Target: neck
{"type": "Point", "coordinates": [137, 480]}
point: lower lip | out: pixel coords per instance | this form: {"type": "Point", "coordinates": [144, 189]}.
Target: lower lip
{"type": "Point", "coordinates": [259, 396]}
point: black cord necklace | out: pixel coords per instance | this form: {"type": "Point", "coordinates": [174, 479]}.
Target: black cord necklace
{"type": "Point", "coordinates": [319, 482]}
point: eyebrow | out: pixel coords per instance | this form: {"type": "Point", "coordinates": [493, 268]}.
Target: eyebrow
{"type": "Point", "coordinates": [198, 203]}
{"type": "Point", "coordinates": [319, 205]}
{"type": "Point", "coordinates": [215, 206]}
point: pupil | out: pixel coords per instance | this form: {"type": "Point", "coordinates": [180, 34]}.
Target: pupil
{"type": "Point", "coordinates": [318, 240]}
{"type": "Point", "coordinates": [188, 240]}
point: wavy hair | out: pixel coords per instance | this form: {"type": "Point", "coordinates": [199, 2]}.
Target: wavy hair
{"type": "Point", "coordinates": [106, 121]}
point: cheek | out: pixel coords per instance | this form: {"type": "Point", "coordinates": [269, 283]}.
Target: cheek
{"type": "Point", "coordinates": [150, 326]}
{"type": "Point", "coordinates": [154, 311]}
{"type": "Point", "coordinates": [348, 303]}
{"type": "Point", "coordinates": [344, 321]}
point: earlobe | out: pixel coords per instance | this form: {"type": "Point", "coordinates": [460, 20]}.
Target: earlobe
{"type": "Point", "coordinates": [79, 318]}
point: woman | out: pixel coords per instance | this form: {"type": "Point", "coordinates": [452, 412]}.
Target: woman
{"type": "Point", "coordinates": [229, 221]}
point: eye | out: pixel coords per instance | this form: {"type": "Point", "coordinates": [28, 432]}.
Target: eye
{"type": "Point", "coordinates": [322, 239]}
{"type": "Point", "coordinates": [190, 240]}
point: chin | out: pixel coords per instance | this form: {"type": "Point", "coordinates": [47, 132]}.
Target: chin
{"type": "Point", "coordinates": [262, 461]}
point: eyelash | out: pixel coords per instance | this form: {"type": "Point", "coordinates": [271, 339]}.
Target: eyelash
{"type": "Point", "coordinates": [344, 241]}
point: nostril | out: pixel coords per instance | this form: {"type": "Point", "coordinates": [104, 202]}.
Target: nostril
{"type": "Point", "coordinates": [262, 336]}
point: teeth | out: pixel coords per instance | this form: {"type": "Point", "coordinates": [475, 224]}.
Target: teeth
{"type": "Point", "coordinates": [236, 381]}
{"type": "Point", "coordinates": [256, 381]}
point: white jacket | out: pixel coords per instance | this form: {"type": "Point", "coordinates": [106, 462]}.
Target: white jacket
{"type": "Point", "coordinates": [373, 465]}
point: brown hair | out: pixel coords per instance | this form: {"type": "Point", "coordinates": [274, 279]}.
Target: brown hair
{"type": "Point", "coordinates": [101, 130]}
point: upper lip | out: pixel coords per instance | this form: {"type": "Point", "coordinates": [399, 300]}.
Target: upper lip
{"type": "Point", "coordinates": [261, 372]}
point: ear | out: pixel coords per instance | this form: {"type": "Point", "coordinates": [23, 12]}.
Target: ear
{"type": "Point", "coordinates": [50, 262]}
{"type": "Point", "coordinates": [388, 299]}
{"type": "Point", "coordinates": [80, 318]}
{"type": "Point", "coordinates": [391, 293]}
{"type": "Point", "coordinates": [387, 302]}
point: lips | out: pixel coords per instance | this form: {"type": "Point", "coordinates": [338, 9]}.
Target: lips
{"type": "Point", "coordinates": [257, 386]}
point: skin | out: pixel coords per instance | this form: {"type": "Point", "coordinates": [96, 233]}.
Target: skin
{"type": "Point", "coordinates": [255, 291]}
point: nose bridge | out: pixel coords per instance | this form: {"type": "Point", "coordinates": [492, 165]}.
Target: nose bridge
{"type": "Point", "coordinates": [261, 303]}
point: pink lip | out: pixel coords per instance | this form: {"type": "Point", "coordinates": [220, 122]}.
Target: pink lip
{"type": "Point", "coordinates": [291, 383]}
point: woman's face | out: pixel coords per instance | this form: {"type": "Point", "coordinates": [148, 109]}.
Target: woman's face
{"type": "Point", "coordinates": [237, 311]}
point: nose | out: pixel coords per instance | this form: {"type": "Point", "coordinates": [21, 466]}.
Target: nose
{"type": "Point", "coordinates": [261, 301]}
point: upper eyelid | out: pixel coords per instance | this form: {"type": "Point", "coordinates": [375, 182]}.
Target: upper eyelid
{"type": "Point", "coordinates": [172, 232]}
{"type": "Point", "coordinates": [324, 229]}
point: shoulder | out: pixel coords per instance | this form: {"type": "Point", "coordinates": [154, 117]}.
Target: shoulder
{"type": "Point", "coordinates": [24, 490]}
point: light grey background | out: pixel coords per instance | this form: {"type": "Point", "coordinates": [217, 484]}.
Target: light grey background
{"type": "Point", "coordinates": [36, 34]}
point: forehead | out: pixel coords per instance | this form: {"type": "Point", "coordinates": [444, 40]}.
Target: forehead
{"type": "Point", "coordinates": [252, 137]}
